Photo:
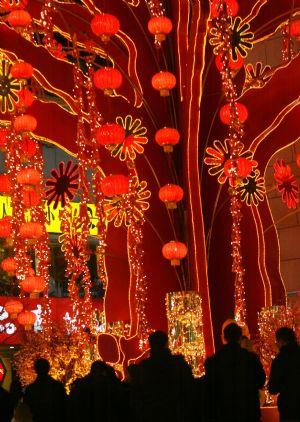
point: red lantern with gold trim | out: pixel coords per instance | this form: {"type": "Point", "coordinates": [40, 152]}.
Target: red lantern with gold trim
{"type": "Point", "coordinates": [5, 184]}
{"type": "Point", "coordinates": [233, 65]}
{"type": "Point", "coordinates": [114, 185]}
{"type": "Point", "coordinates": [163, 82]}
{"type": "Point", "coordinates": [13, 307]}
{"type": "Point", "coordinates": [33, 285]}
{"type": "Point", "coordinates": [26, 99]}
{"type": "Point", "coordinates": [174, 252]}
{"type": "Point", "coordinates": [29, 148]}
{"type": "Point", "coordinates": [19, 19]}
{"type": "Point", "coordinates": [9, 265]}
{"type": "Point", "coordinates": [244, 167]}
{"type": "Point", "coordinates": [31, 231]}
{"type": "Point", "coordinates": [105, 25]}
{"type": "Point", "coordinates": [108, 79]}
{"type": "Point", "coordinates": [167, 137]}
{"type": "Point", "coordinates": [170, 195]}
{"type": "Point", "coordinates": [29, 178]}
{"type": "Point", "coordinates": [227, 111]}
{"type": "Point", "coordinates": [30, 198]}
{"type": "Point", "coordinates": [160, 26]}
{"type": "Point", "coordinates": [110, 134]}
{"type": "Point", "coordinates": [5, 227]}
{"type": "Point", "coordinates": [217, 6]}
{"type": "Point", "coordinates": [25, 123]}
{"type": "Point", "coordinates": [27, 319]}
{"type": "Point", "coordinates": [21, 70]}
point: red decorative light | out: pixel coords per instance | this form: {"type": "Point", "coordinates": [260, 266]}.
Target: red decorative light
{"type": "Point", "coordinates": [29, 178]}
{"type": "Point", "coordinates": [114, 185]}
{"type": "Point", "coordinates": [3, 138]}
{"type": "Point", "coordinates": [27, 319]}
{"type": "Point", "coordinates": [160, 26]}
{"type": "Point", "coordinates": [295, 28]}
{"type": "Point", "coordinates": [163, 82]}
{"type": "Point", "coordinates": [234, 65]}
{"type": "Point", "coordinates": [167, 137]}
{"type": "Point", "coordinates": [26, 98]}
{"type": "Point", "coordinates": [217, 6]}
{"type": "Point", "coordinates": [5, 183]}
{"type": "Point", "coordinates": [8, 5]}
{"type": "Point", "coordinates": [298, 159]}
{"type": "Point", "coordinates": [30, 198]}
{"type": "Point", "coordinates": [19, 19]}
{"type": "Point", "coordinates": [110, 134]}
{"type": "Point", "coordinates": [244, 167]}
{"type": "Point", "coordinates": [9, 265]}
{"type": "Point", "coordinates": [31, 231]}
{"type": "Point", "coordinates": [13, 308]}
{"type": "Point", "coordinates": [29, 148]}
{"type": "Point", "coordinates": [5, 227]}
{"type": "Point", "coordinates": [33, 285]}
{"type": "Point", "coordinates": [25, 123]}
{"type": "Point", "coordinates": [21, 70]}
{"type": "Point", "coordinates": [108, 79]}
{"type": "Point", "coordinates": [170, 195]}
{"type": "Point", "coordinates": [174, 252]}
{"type": "Point", "coordinates": [227, 112]}
{"type": "Point", "coordinates": [105, 26]}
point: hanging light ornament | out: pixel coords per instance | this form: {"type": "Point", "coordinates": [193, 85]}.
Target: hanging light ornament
{"type": "Point", "coordinates": [160, 26]}
{"type": "Point", "coordinates": [27, 319]}
{"type": "Point", "coordinates": [114, 185]}
{"type": "Point", "coordinates": [26, 99]}
{"type": "Point", "coordinates": [9, 266]}
{"type": "Point", "coordinates": [25, 123]}
{"type": "Point", "coordinates": [242, 166]}
{"type": "Point", "coordinates": [32, 231]}
{"type": "Point", "coordinates": [295, 29]}
{"type": "Point", "coordinates": [5, 184]}
{"type": "Point", "coordinates": [30, 198]}
{"type": "Point", "coordinates": [108, 79]}
{"type": "Point", "coordinates": [218, 6]}
{"type": "Point", "coordinates": [29, 178]}
{"type": "Point", "coordinates": [227, 111]}
{"type": "Point", "coordinates": [13, 307]}
{"type": "Point", "coordinates": [33, 285]}
{"type": "Point", "coordinates": [19, 19]}
{"type": "Point", "coordinates": [167, 137]}
{"type": "Point", "coordinates": [28, 148]}
{"type": "Point", "coordinates": [233, 65]}
{"type": "Point", "coordinates": [105, 26]}
{"type": "Point", "coordinates": [4, 132]}
{"type": "Point", "coordinates": [110, 134]}
{"type": "Point", "coordinates": [21, 70]}
{"type": "Point", "coordinates": [170, 195]}
{"type": "Point", "coordinates": [5, 227]}
{"type": "Point", "coordinates": [174, 252]}
{"type": "Point", "coordinates": [163, 82]}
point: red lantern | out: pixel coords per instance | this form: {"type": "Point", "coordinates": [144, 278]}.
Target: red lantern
{"type": "Point", "coordinates": [110, 134]}
{"type": "Point", "coordinates": [160, 26]}
{"type": "Point", "coordinates": [30, 198]}
{"type": "Point", "coordinates": [105, 26]}
{"type": "Point", "coordinates": [174, 252]}
{"type": "Point", "coordinates": [25, 123]}
{"type": "Point", "coordinates": [5, 183]}
{"type": "Point", "coordinates": [163, 82]}
{"type": "Point", "coordinates": [33, 285]}
{"type": "Point", "coordinates": [31, 231]}
{"type": "Point", "coordinates": [232, 7]}
{"type": "Point", "coordinates": [5, 227]}
{"type": "Point", "coordinates": [234, 65]}
{"type": "Point", "coordinates": [114, 185]}
{"type": "Point", "coordinates": [244, 167]}
{"type": "Point", "coordinates": [8, 5]}
{"type": "Point", "coordinates": [13, 308]}
{"type": "Point", "coordinates": [29, 178]}
{"type": "Point", "coordinates": [170, 195]}
{"type": "Point", "coordinates": [21, 70]}
{"type": "Point", "coordinates": [27, 319]}
{"type": "Point", "coordinates": [9, 265]}
{"type": "Point", "coordinates": [29, 148]}
{"type": "Point", "coordinates": [26, 98]}
{"type": "Point", "coordinates": [295, 28]}
{"type": "Point", "coordinates": [19, 19]}
{"type": "Point", "coordinates": [167, 137]}
{"type": "Point", "coordinates": [108, 79]}
{"type": "Point", "coordinates": [226, 112]}
{"type": "Point", "coordinates": [3, 138]}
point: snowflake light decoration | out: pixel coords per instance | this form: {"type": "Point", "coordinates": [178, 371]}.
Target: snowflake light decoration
{"type": "Point", "coordinates": [63, 184]}
{"type": "Point", "coordinates": [8, 88]}
{"type": "Point", "coordinates": [286, 184]}
{"type": "Point", "coordinates": [253, 189]}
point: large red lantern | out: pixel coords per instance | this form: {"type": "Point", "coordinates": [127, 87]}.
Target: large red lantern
{"type": "Point", "coordinates": [170, 195]}
{"type": "Point", "coordinates": [105, 26]}
{"type": "Point", "coordinates": [29, 178]}
{"type": "Point", "coordinates": [5, 184]}
{"type": "Point", "coordinates": [13, 307]}
{"type": "Point", "coordinates": [26, 98]}
{"type": "Point", "coordinates": [218, 6]}
{"type": "Point", "coordinates": [227, 112]}
{"type": "Point", "coordinates": [5, 227]}
{"type": "Point", "coordinates": [160, 26]}
{"type": "Point", "coordinates": [25, 123]}
{"type": "Point", "coordinates": [295, 28]}
{"type": "Point", "coordinates": [233, 65]}
{"type": "Point", "coordinates": [19, 19]}
{"type": "Point", "coordinates": [30, 198]}
{"type": "Point", "coordinates": [33, 285]}
{"type": "Point", "coordinates": [27, 319]}
{"type": "Point", "coordinates": [167, 137]}
{"type": "Point", "coordinates": [114, 185]}
{"type": "Point", "coordinates": [243, 166]}
{"type": "Point", "coordinates": [29, 148]}
{"type": "Point", "coordinates": [108, 79]}
{"type": "Point", "coordinates": [31, 231]}
{"type": "Point", "coordinates": [21, 70]}
{"type": "Point", "coordinates": [163, 82]}
{"type": "Point", "coordinates": [174, 252]}
{"type": "Point", "coordinates": [4, 132]}
{"type": "Point", "coordinates": [9, 265]}
{"type": "Point", "coordinates": [110, 134]}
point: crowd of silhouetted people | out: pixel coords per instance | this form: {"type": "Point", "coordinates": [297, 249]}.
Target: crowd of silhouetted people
{"type": "Point", "coordinates": [162, 388]}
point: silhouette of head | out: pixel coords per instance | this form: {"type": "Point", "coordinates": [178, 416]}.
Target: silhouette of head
{"type": "Point", "coordinates": [284, 336]}
{"type": "Point", "coordinates": [99, 368]}
{"type": "Point", "coordinates": [232, 333]}
{"type": "Point", "coordinates": [41, 367]}
{"type": "Point", "coordinates": [158, 340]}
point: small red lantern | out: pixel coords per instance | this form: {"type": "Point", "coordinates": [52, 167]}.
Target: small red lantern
{"type": "Point", "coordinates": [29, 178]}
{"type": "Point", "coordinates": [31, 231]}
{"type": "Point", "coordinates": [295, 28]}
{"type": "Point", "coordinates": [5, 183]}
{"type": "Point", "coordinates": [160, 26]}
{"type": "Point", "coordinates": [9, 5]}
{"type": "Point", "coordinates": [26, 99]}
{"type": "Point", "coordinates": [234, 65]}
{"type": "Point", "coordinates": [19, 19]}
{"type": "Point", "coordinates": [9, 265]}
{"type": "Point", "coordinates": [25, 123]}
{"type": "Point", "coordinates": [226, 112]}
{"type": "Point", "coordinates": [232, 7]}
{"type": "Point", "coordinates": [33, 285]}
{"type": "Point", "coordinates": [29, 148]}
{"type": "Point", "coordinates": [298, 159]}
{"type": "Point", "coordinates": [4, 132]}
{"type": "Point", "coordinates": [174, 252]}
{"type": "Point", "coordinates": [167, 137]}
{"type": "Point", "coordinates": [170, 195]}
{"type": "Point", "coordinates": [5, 227]}
{"type": "Point", "coordinates": [21, 70]}
{"type": "Point", "coordinates": [27, 319]}
{"type": "Point", "coordinates": [105, 26]}
{"type": "Point", "coordinates": [110, 134]}
{"type": "Point", "coordinates": [13, 308]}
{"type": "Point", "coordinates": [114, 185]}
{"type": "Point", "coordinates": [163, 82]}
{"type": "Point", "coordinates": [244, 167]}
{"type": "Point", "coordinates": [30, 198]}
{"type": "Point", "coordinates": [108, 79]}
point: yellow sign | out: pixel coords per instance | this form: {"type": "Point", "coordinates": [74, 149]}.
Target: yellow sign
{"type": "Point", "coordinates": [52, 215]}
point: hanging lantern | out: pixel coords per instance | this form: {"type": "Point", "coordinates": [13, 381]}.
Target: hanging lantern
{"type": "Point", "coordinates": [33, 285]}
{"type": "Point", "coordinates": [243, 165]}
{"type": "Point", "coordinates": [174, 252]}
{"type": "Point", "coordinates": [27, 319]}
{"type": "Point", "coordinates": [108, 79]}
{"type": "Point", "coordinates": [167, 137]}
{"type": "Point", "coordinates": [170, 195]}
{"type": "Point", "coordinates": [9, 265]}
{"type": "Point", "coordinates": [105, 26]}
{"type": "Point", "coordinates": [30, 198]}
{"type": "Point", "coordinates": [29, 178]}
{"type": "Point", "coordinates": [19, 19]}
{"type": "Point", "coordinates": [4, 132]}
{"type": "Point", "coordinates": [218, 6]}
{"type": "Point", "coordinates": [9, 5]}
{"type": "Point", "coordinates": [160, 26]}
{"type": "Point", "coordinates": [163, 82]}
{"type": "Point", "coordinates": [110, 134]}
{"type": "Point", "coordinates": [21, 70]}
{"type": "Point", "coordinates": [233, 65]}
{"type": "Point", "coordinates": [5, 227]}
{"type": "Point", "coordinates": [25, 123]}
{"type": "Point", "coordinates": [5, 184]}
{"type": "Point", "coordinates": [28, 148]}
{"type": "Point", "coordinates": [114, 185]}
{"type": "Point", "coordinates": [26, 99]}
{"type": "Point", "coordinates": [31, 231]}
{"type": "Point", "coordinates": [295, 28]}
{"type": "Point", "coordinates": [13, 307]}
{"type": "Point", "coordinates": [226, 112]}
